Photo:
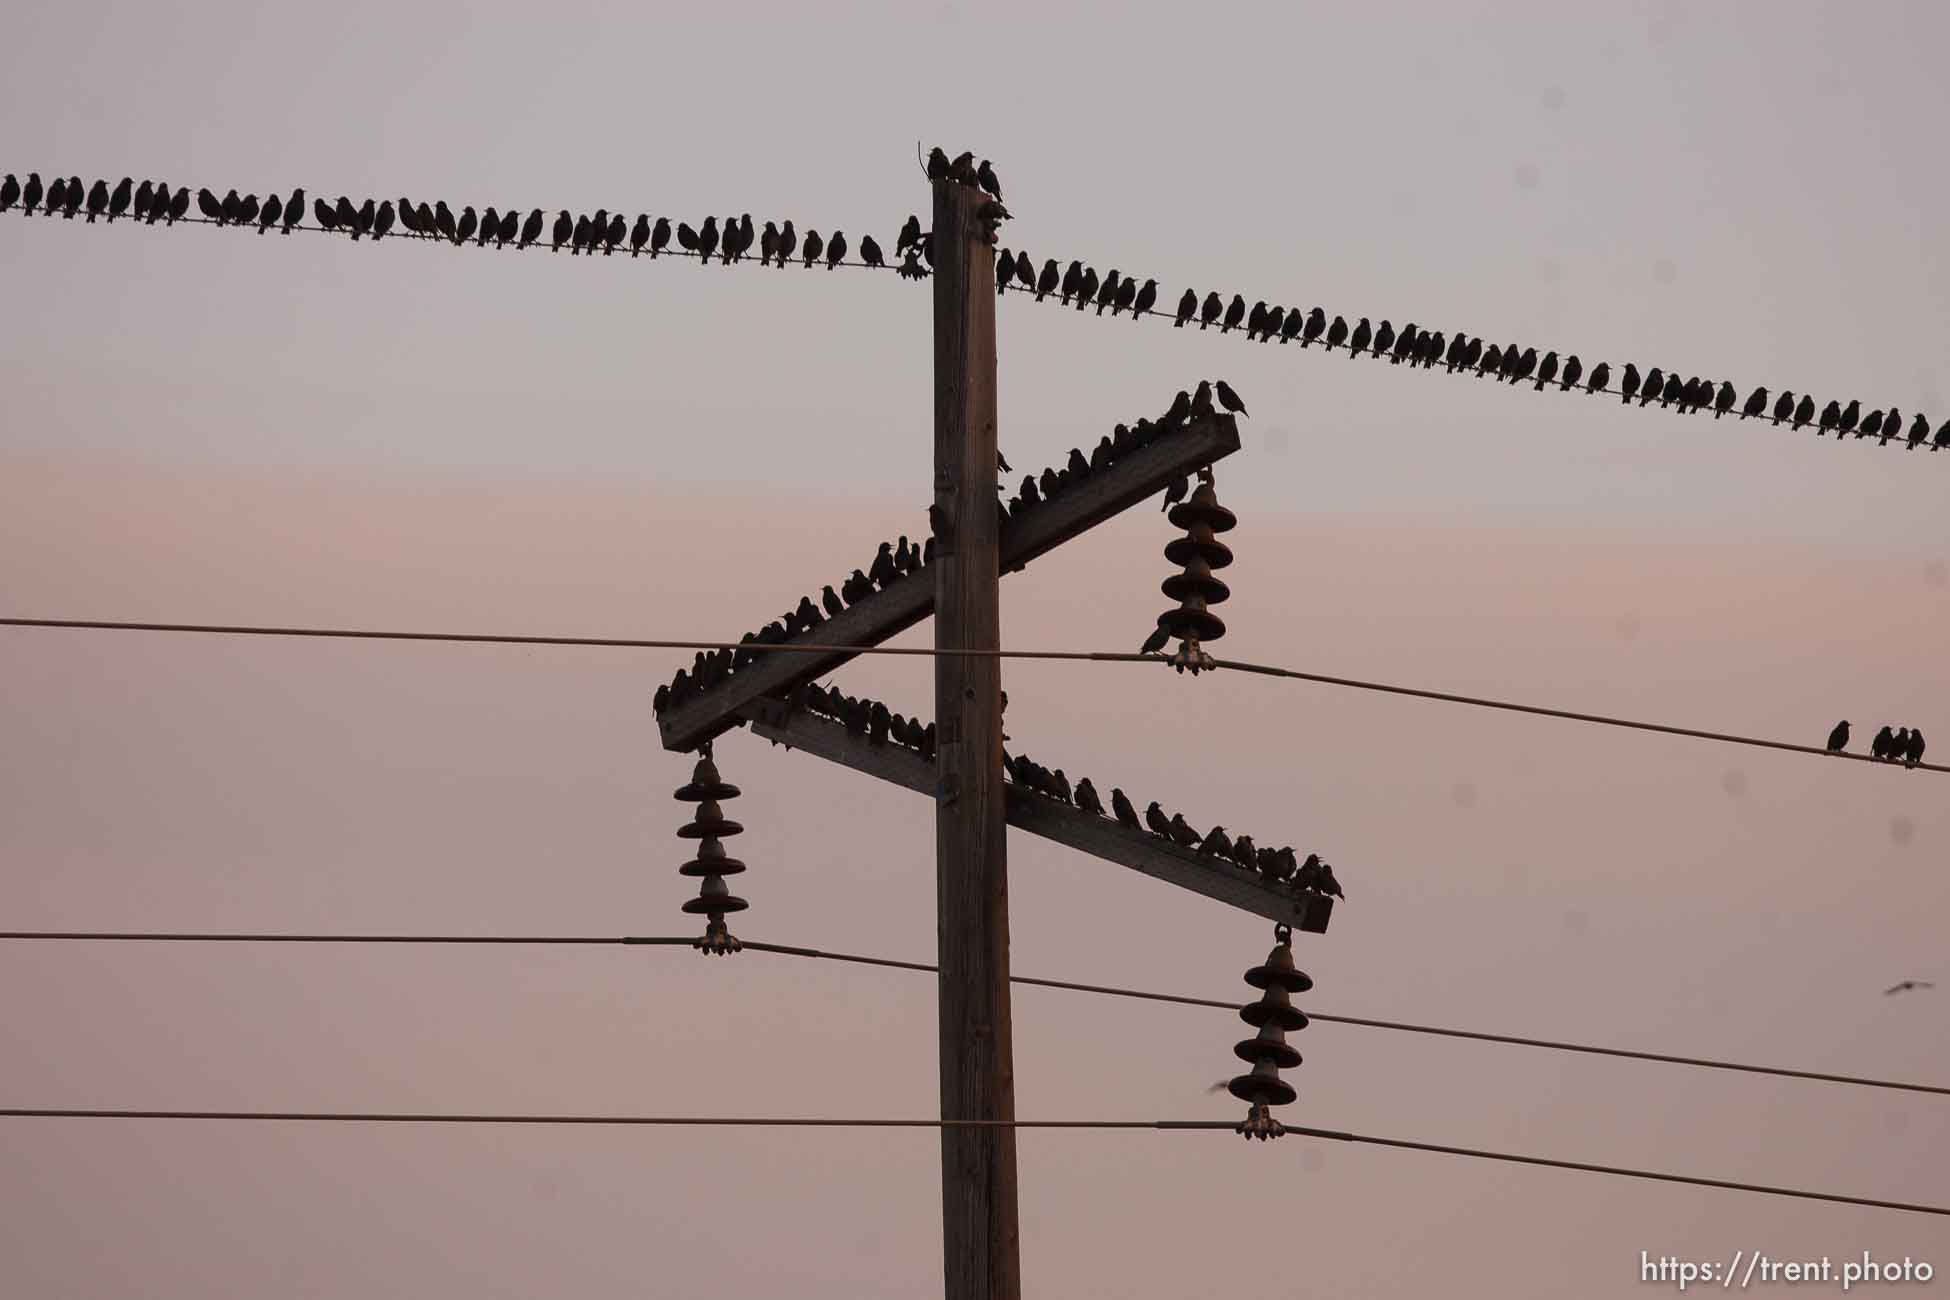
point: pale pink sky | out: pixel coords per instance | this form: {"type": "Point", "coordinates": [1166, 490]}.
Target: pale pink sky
{"type": "Point", "coordinates": [207, 427]}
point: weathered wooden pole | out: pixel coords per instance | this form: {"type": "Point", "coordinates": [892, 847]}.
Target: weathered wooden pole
{"type": "Point", "coordinates": [978, 1165]}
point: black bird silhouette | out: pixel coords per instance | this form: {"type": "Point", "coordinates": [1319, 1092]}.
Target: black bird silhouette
{"type": "Point", "coordinates": [1458, 350]}
{"type": "Point", "coordinates": [788, 244]}
{"type": "Point", "coordinates": [1600, 378]}
{"type": "Point", "coordinates": [1086, 798]}
{"type": "Point", "coordinates": [10, 192]}
{"type": "Point", "coordinates": [118, 202]}
{"type": "Point", "coordinates": [1491, 362]}
{"type": "Point", "coordinates": [1156, 821]}
{"type": "Point", "coordinates": [962, 169]}
{"type": "Point", "coordinates": [1025, 270]}
{"type": "Point", "coordinates": [1182, 832]}
{"type": "Point", "coordinates": [1804, 411]}
{"type": "Point", "coordinates": [1628, 387]}
{"type": "Point", "coordinates": [268, 215]}
{"type": "Point", "coordinates": [1145, 299]}
{"type": "Point", "coordinates": [1429, 349]}
{"type": "Point", "coordinates": [72, 204]}
{"type": "Point", "coordinates": [1546, 371]}
{"type": "Point", "coordinates": [1107, 292]}
{"type": "Point", "coordinates": [559, 234]}
{"type": "Point", "coordinates": [882, 570]}
{"type": "Point", "coordinates": [612, 232]}
{"type": "Point", "coordinates": [1838, 738]}
{"type": "Point", "coordinates": [206, 203]}
{"type": "Point", "coordinates": [1573, 371]}
{"type": "Point", "coordinates": [814, 249]}
{"type": "Point", "coordinates": [1892, 424]}
{"type": "Point", "coordinates": [1831, 415]}
{"type": "Point", "coordinates": [1228, 398]}
{"type": "Point", "coordinates": [1904, 986]}
{"type": "Point", "coordinates": [323, 213]}
{"type": "Point", "coordinates": [910, 233]}
{"type": "Point", "coordinates": [1913, 751]}
{"type": "Point", "coordinates": [98, 199]}
{"type": "Point", "coordinates": [937, 167]}
{"type": "Point", "coordinates": [1216, 843]}
{"type": "Point", "coordinates": [1077, 467]}
{"type": "Point", "coordinates": [985, 177]}
{"type": "Point", "coordinates": [1325, 881]}
{"type": "Point", "coordinates": [509, 230]}
{"type": "Point", "coordinates": [1358, 341]}
{"type": "Point", "coordinates": [836, 249]}
{"type": "Point", "coordinates": [490, 224]}
{"type": "Point", "coordinates": [1883, 744]}
{"type": "Point", "coordinates": [1871, 425]}
{"type": "Point", "coordinates": [640, 233]}
{"type": "Point", "coordinates": [1783, 406]}
{"type": "Point", "coordinates": [707, 239]}
{"type": "Point", "coordinates": [1179, 411]}
{"type": "Point", "coordinates": [1057, 786]}
{"type": "Point", "coordinates": [580, 237]}
{"type": "Point", "coordinates": [1918, 431]}
{"type": "Point", "coordinates": [1337, 332]}
{"type": "Point", "coordinates": [1005, 271]}
{"type": "Point", "coordinates": [465, 227]}
{"type": "Point", "coordinates": [1175, 492]}
{"type": "Point", "coordinates": [31, 193]}
{"type": "Point", "coordinates": [1384, 339]}
{"type": "Point", "coordinates": [1046, 282]}
{"type": "Point", "coordinates": [1235, 312]}
{"type": "Point", "coordinates": [1757, 403]}
{"type": "Point", "coordinates": [1526, 365]}
{"type": "Point", "coordinates": [1202, 400]}
{"type": "Point", "coordinates": [180, 206]}
{"type": "Point", "coordinates": [870, 252]}
{"type": "Point", "coordinates": [1723, 400]}
{"type": "Point", "coordinates": [1244, 853]}
{"type": "Point", "coordinates": [1674, 388]}
{"type": "Point", "coordinates": [1276, 317]}
{"type": "Point", "coordinates": [1121, 808]}
{"type": "Point", "coordinates": [1087, 287]}
{"type": "Point", "coordinates": [1290, 327]}
{"type": "Point", "coordinates": [382, 220]}
{"type": "Point", "coordinates": [831, 600]}
{"type": "Point", "coordinates": [1212, 309]}
{"type": "Point", "coordinates": [1256, 318]}
{"type": "Point", "coordinates": [444, 224]}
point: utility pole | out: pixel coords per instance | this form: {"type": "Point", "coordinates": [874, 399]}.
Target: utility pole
{"type": "Point", "coordinates": [978, 1165]}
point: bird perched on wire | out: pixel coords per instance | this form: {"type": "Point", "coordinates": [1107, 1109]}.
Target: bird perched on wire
{"type": "Point", "coordinates": [1210, 311]}
{"type": "Point", "coordinates": [836, 249]}
{"type": "Point", "coordinates": [1087, 287]}
{"type": "Point", "coordinates": [1235, 312]}
{"type": "Point", "coordinates": [1145, 300]}
{"type": "Point", "coordinates": [1228, 398]}
{"type": "Point", "coordinates": [814, 248]}
{"type": "Point", "coordinates": [1883, 743]}
{"type": "Point", "coordinates": [910, 233]}
{"type": "Point", "coordinates": [1155, 642]}
{"type": "Point", "coordinates": [1913, 749]}
{"type": "Point", "coordinates": [1838, 738]}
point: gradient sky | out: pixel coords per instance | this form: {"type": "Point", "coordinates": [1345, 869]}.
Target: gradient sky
{"type": "Point", "coordinates": [208, 426]}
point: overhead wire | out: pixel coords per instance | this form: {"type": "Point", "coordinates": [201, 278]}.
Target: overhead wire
{"type": "Point", "coordinates": [798, 1121]}
{"type": "Point", "coordinates": [927, 967]}
{"type": "Point", "coordinates": [1265, 670]}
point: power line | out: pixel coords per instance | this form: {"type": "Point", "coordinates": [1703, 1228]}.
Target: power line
{"type": "Point", "coordinates": [795, 1121]}
{"type": "Point", "coordinates": [897, 964]}
{"type": "Point", "coordinates": [1887, 435]}
{"type": "Point", "coordinates": [1263, 670]}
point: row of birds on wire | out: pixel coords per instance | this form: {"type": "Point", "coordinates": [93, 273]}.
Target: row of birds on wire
{"type": "Point", "coordinates": [1080, 287]}
{"type": "Point", "coordinates": [601, 231]}
{"type": "Point", "coordinates": [895, 561]}
{"type": "Point", "coordinates": [734, 238]}
{"type": "Point", "coordinates": [1904, 746]}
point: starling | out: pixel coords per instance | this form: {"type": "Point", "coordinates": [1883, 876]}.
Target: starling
{"type": "Point", "coordinates": [1673, 389]}
{"type": "Point", "coordinates": [1326, 883]}
{"type": "Point", "coordinates": [1546, 371]}
{"type": "Point", "coordinates": [1892, 424]}
{"type": "Point", "coordinates": [1913, 751]}
{"type": "Point", "coordinates": [1723, 400]}
{"type": "Point", "coordinates": [1202, 400]}
{"type": "Point", "coordinates": [1883, 744]}
{"type": "Point", "coordinates": [882, 570]}
{"type": "Point", "coordinates": [1384, 339]}
{"type": "Point", "coordinates": [30, 194]}
{"type": "Point", "coordinates": [1276, 318]}
{"type": "Point", "coordinates": [1256, 319]}
{"type": "Point", "coordinates": [910, 233]}
{"type": "Point", "coordinates": [1850, 415]}
{"type": "Point", "coordinates": [1526, 364]}
{"type": "Point", "coordinates": [1107, 292]}
{"type": "Point", "coordinates": [831, 600]}
{"type": "Point", "coordinates": [1086, 798]}
{"type": "Point", "coordinates": [1228, 398]}
{"type": "Point", "coordinates": [836, 249]}
{"type": "Point", "coordinates": [1077, 466]}
{"type": "Point", "coordinates": [1182, 832]}
{"type": "Point", "coordinates": [1187, 307]}
{"type": "Point", "coordinates": [1025, 272]}
{"type": "Point", "coordinates": [1126, 297]}
{"type": "Point", "coordinates": [1831, 415]}
{"type": "Point", "coordinates": [118, 202]}
{"type": "Point", "coordinates": [1600, 378]}
{"type": "Point", "coordinates": [1628, 387]}
{"type": "Point", "coordinates": [98, 199]}
{"type": "Point", "coordinates": [443, 219]}
{"type": "Point", "coordinates": [985, 177]}
{"type": "Point", "coordinates": [1154, 643]}
{"type": "Point", "coordinates": [815, 248]}
{"type": "Point", "coordinates": [382, 219]}
{"type": "Point", "coordinates": [1337, 332]}
{"type": "Point", "coordinates": [510, 227]}
{"type": "Point", "coordinates": [490, 224]}
{"type": "Point", "coordinates": [707, 240]}
{"type": "Point", "coordinates": [1244, 853]}
{"type": "Point", "coordinates": [869, 251]}
{"type": "Point", "coordinates": [1491, 362]}
{"type": "Point", "coordinates": [1942, 438]}
{"type": "Point", "coordinates": [1179, 411]}
{"type": "Point", "coordinates": [962, 169]}
{"type": "Point", "coordinates": [788, 244]}
{"type": "Point", "coordinates": [322, 211]}
{"type": "Point", "coordinates": [1216, 843]}
{"type": "Point", "coordinates": [1121, 808]}
{"type": "Point", "coordinates": [1155, 819]}
{"type": "Point", "coordinates": [1291, 326]}
{"type": "Point", "coordinates": [1871, 425]}
{"type": "Point", "coordinates": [1918, 431]}
{"type": "Point", "coordinates": [1058, 786]}
{"type": "Point", "coordinates": [1757, 404]}
{"type": "Point", "coordinates": [1358, 341]}
{"type": "Point", "coordinates": [1005, 271]}
{"type": "Point", "coordinates": [73, 202]}
{"type": "Point", "coordinates": [906, 558]}
{"type": "Point", "coordinates": [1213, 307]}
{"type": "Point", "coordinates": [1838, 738]}
{"type": "Point", "coordinates": [1235, 312]}
{"type": "Point", "coordinates": [465, 227]}
{"type": "Point", "coordinates": [639, 234]}
{"type": "Point", "coordinates": [10, 191]}
{"type": "Point", "coordinates": [268, 215]}
{"type": "Point", "coordinates": [1146, 299]}
{"type": "Point", "coordinates": [563, 230]}
{"type": "Point", "coordinates": [206, 203]}
{"type": "Point", "coordinates": [937, 164]}
{"type": "Point", "coordinates": [1087, 287]}
{"type": "Point", "coordinates": [1458, 351]}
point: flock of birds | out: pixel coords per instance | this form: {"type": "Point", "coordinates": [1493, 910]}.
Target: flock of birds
{"type": "Point", "coordinates": [1904, 746]}
{"type": "Point", "coordinates": [1079, 286]}
{"type": "Point", "coordinates": [896, 561]}
{"type": "Point", "coordinates": [1310, 875]}
{"type": "Point", "coordinates": [732, 239]}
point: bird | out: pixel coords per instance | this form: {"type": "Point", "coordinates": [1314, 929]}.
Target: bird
{"type": "Point", "coordinates": [1600, 378]}
{"type": "Point", "coordinates": [382, 220]}
{"type": "Point", "coordinates": [1918, 431]}
{"type": "Point", "coordinates": [1384, 338]}
{"type": "Point", "coordinates": [1904, 986]}
{"type": "Point", "coordinates": [836, 249]}
{"type": "Point", "coordinates": [1546, 371]}
{"type": "Point", "coordinates": [1326, 883]}
{"type": "Point", "coordinates": [831, 600]}
{"type": "Point", "coordinates": [985, 177]}
{"type": "Point", "coordinates": [1316, 326]}
{"type": "Point", "coordinates": [1025, 270]}
{"type": "Point", "coordinates": [564, 230]}
{"type": "Point", "coordinates": [962, 169]}
{"type": "Point", "coordinates": [1175, 492]}
{"type": "Point", "coordinates": [788, 244]}
{"type": "Point", "coordinates": [814, 248]}
{"type": "Point", "coordinates": [1291, 326]}
{"type": "Point", "coordinates": [1235, 312]}
{"type": "Point", "coordinates": [1005, 271]}
{"type": "Point", "coordinates": [1182, 832]}
{"type": "Point", "coordinates": [465, 227]}
{"type": "Point", "coordinates": [870, 252]}
{"type": "Point", "coordinates": [882, 570]}
{"type": "Point", "coordinates": [1757, 404]}
{"type": "Point", "coordinates": [206, 203]}
{"type": "Point", "coordinates": [1228, 398]}
{"type": "Point", "coordinates": [1086, 798]}
{"type": "Point", "coordinates": [321, 211]}
{"type": "Point", "coordinates": [1871, 425]}
{"type": "Point", "coordinates": [98, 199]}
{"type": "Point", "coordinates": [1357, 342]}
{"type": "Point", "coordinates": [1243, 851]}
{"type": "Point", "coordinates": [268, 215]}
{"type": "Point", "coordinates": [1155, 819]}
{"type": "Point", "coordinates": [1107, 293]}
{"type": "Point", "coordinates": [1155, 642]}
{"type": "Point", "coordinates": [1179, 412]}
{"type": "Point", "coordinates": [1216, 843]}
{"type": "Point", "coordinates": [1337, 332]}
{"type": "Point", "coordinates": [910, 233]}
{"type": "Point", "coordinates": [1664, 393]}
{"type": "Point", "coordinates": [1121, 808]}
{"type": "Point", "coordinates": [1838, 738]}
{"type": "Point", "coordinates": [707, 239]}
{"type": "Point", "coordinates": [1058, 786]}
{"type": "Point", "coordinates": [1628, 386]}
{"type": "Point", "coordinates": [1087, 287]}
{"type": "Point", "coordinates": [1146, 299]}
{"type": "Point", "coordinates": [1783, 407]}
{"type": "Point", "coordinates": [1892, 424]}
{"type": "Point", "coordinates": [1831, 415]}
{"type": "Point", "coordinates": [30, 194]}
{"type": "Point", "coordinates": [1851, 415]}
{"type": "Point", "coordinates": [1213, 307]}
{"type": "Point", "coordinates": [10, 191]}
{"type": "Point", "coordinates": [1883, 745]}
{"type": "Point", "coordinates": [510, 227]}
{"type": "Point", "coordinates": [1913, 751]}
{"type": "Point", "coordinates": [118, 202]}
{"type": "Point", "coordinates": [1202, 400]}
{"type": "Point", "coordinates": [1256, 318]}
{"type": "Point", "coordinates": [937, 165]}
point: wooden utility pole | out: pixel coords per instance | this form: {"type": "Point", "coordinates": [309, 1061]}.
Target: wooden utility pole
{"type": "Point", "coordinates": [978, 1165]}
